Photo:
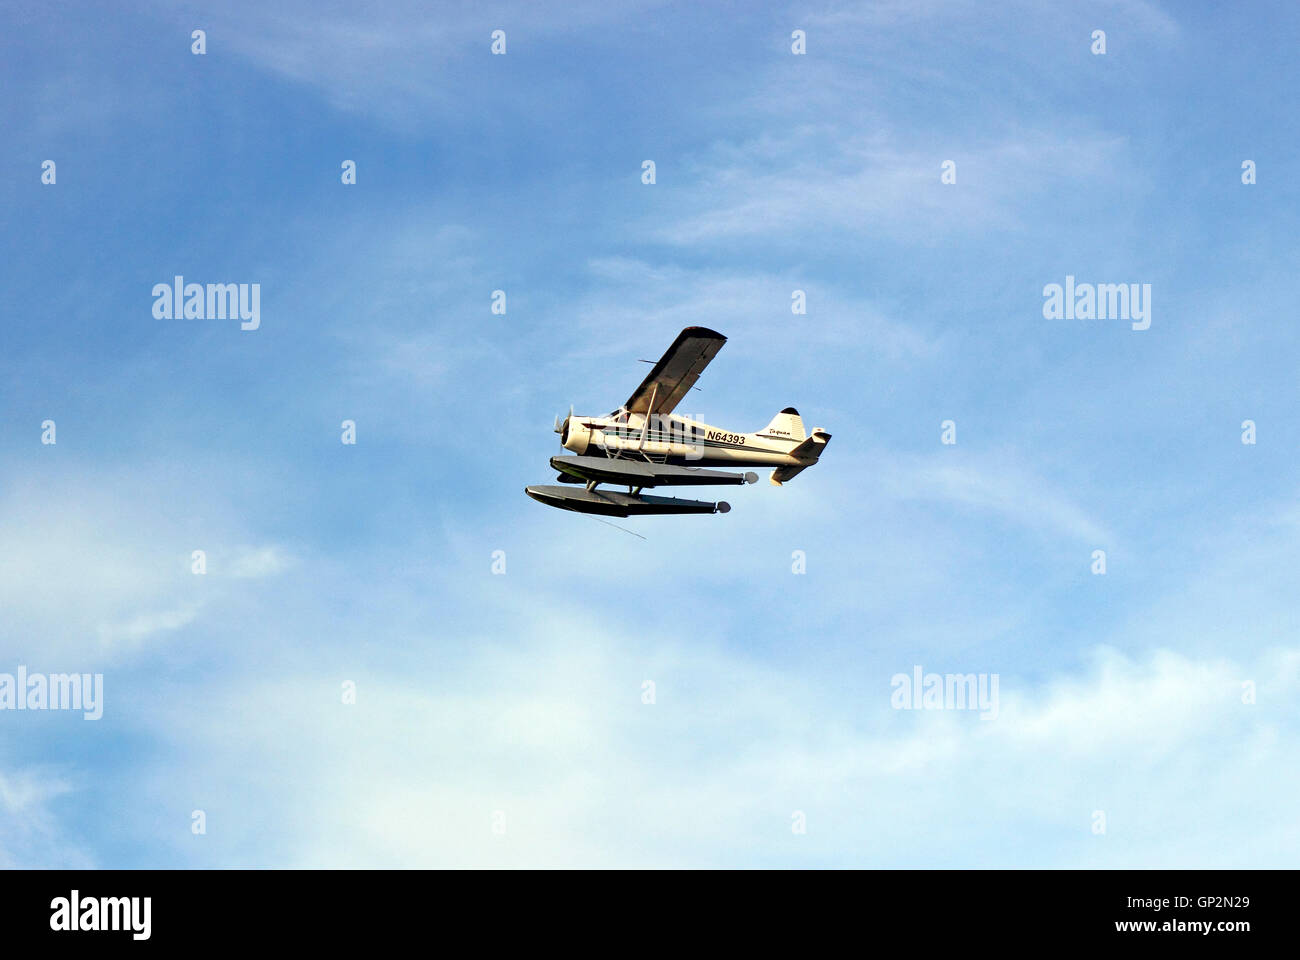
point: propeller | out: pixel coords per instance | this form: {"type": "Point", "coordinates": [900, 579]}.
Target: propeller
{"type": "Point", "coordinates": [562, 428]}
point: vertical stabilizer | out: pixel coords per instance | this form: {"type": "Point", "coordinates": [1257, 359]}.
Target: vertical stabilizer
{"type": "Point", "coordinates": [786, 425]}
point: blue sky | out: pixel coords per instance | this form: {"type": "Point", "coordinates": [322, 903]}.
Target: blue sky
{"type": "Point", "coordinates": [519, 696]}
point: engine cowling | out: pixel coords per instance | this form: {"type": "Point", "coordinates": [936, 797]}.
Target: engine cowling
{"type": "Point", "coordinates": [575, 436]}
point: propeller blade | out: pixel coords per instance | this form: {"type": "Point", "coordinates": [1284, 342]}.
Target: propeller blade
{"type": "Point", "coordinates": [559, 426]}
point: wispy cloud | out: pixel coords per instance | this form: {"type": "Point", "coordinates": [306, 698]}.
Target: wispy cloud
{"type": "Point", "coordinates": [97, 574]}
{"type": "Point", "coordinates": [996, 485]}
{"type": "Point", "coordinates": [401, 63]}
{"type": "Point", "coordinates": [654, 299]}
{"type": "Point", "coordinates": [254, 563]}
{"type": "Point", "coordinates": [130, 634]}
{"type": "Point", "coordinates": [824, 179]}
{"type": "Point", "coordinates": [32, 834]}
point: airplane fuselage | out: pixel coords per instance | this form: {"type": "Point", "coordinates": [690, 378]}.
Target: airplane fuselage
{"type": "Point", "coordinates": [675, 439]}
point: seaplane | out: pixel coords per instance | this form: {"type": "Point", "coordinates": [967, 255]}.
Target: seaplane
{"type": "Point", "coordinates": [644, 444]}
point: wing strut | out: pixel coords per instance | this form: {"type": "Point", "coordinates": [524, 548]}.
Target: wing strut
{"type": "Point", "coordinates": [645, 427]}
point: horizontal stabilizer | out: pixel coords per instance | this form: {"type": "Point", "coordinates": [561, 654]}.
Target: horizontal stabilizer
{"type": "Point", "coordinates": [809, 450]}
{"type": "Point", "coordinates": [813, 446]}
{"type": "Point", "coordinates": [781, 474]}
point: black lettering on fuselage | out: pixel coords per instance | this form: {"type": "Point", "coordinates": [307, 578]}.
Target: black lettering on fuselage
{"type": "Point", "coordinates": [725, 437]}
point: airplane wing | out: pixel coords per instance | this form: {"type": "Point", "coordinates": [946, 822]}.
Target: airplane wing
{"type": "Point", "coordinates": [676, 372]}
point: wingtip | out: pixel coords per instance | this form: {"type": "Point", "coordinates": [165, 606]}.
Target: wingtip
{"type": "Point", "coordinates": [702, 332]}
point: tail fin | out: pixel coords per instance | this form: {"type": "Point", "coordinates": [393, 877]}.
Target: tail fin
{"type": "Point", "coordinates": [810, 450]}
{"type": "Point", "coordinates": [787, 425]}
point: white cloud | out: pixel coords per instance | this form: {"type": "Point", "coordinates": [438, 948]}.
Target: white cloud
{"type": "Point", "coordinates": [95, 571]}
{"type": "Point", "coordinates": [255, 563]}
{"type": "Point", "coordinates": [32, 835]}
{"type": "Point", "coordinates": [587, 775]}
{"type": "Point", "coordinates": [130, 634]}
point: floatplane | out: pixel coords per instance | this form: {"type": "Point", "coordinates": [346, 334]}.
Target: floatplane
{"type": "Point", "coordinates": [644, 444]}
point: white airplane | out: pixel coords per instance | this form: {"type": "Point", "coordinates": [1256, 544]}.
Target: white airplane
{"type": "Point", "coordinates": [644, 444]}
